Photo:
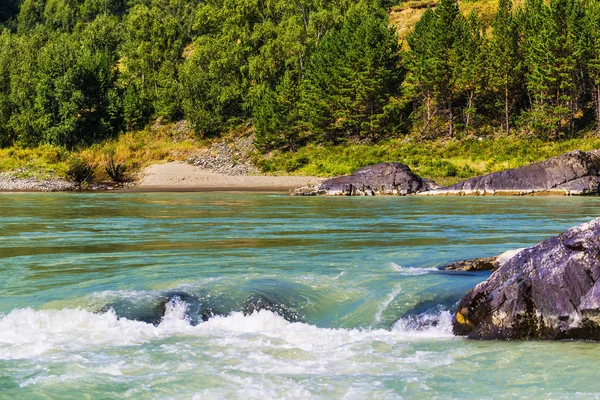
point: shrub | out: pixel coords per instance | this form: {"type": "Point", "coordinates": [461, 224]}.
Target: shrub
{"type": "Point", "coordinates": [80, 171]}
{"type": "Point", "coordinates": [116, 171]}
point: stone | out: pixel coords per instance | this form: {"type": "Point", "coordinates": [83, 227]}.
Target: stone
{"type": "Point", "coordinates": [380, 179]}
{"type": "Point", "coordinates": [474, 264]}
{"type": "Point", "coordinates": [481, 264]}
{"type": "Point", "coordinates": [257, 302]}
{"type": "Point", "coordinates": [550, 291]}
{"type": "Point", "coordinates": [574, 173]}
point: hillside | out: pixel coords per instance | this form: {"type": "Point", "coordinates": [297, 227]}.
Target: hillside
{"type": "Point", "coordinates": [405, 15]}
{"type": "Point", "coordinates": [87, 81]}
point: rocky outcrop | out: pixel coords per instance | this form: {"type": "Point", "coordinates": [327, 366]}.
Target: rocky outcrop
{"type": "Point", "coordinates": [481, 264]}
{"type": "Point", "coordinates": [379, 179]}
{"type": "Point", "coordinates": [228, 157]}
{"type": "Point", "coordinates": [549, 291]}
{"type": "Point", "coordinates": [574, 173]}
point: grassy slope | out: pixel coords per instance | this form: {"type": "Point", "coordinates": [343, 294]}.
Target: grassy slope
{"type": "Point", "coordinates": [133, 149]}
{"type": "Point", "coordinates": [408, 13]}
{"type": "Point", "coordinates": [445, 161]}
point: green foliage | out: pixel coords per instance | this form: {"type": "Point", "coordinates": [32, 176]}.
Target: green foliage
{"type": "Point", "coordinates": [504, 59]}
{"type": "Point", "coordinates": [78, 72]}
{"type": "Point", "coordinates": [445, 161]}
{"type": "Point", "coordinates": [536, 67]}
{"type": "Point", "coordinates": [80, 170]}
{"type": "Point", "coordinates": [351, 77]}
{"type": "Point", "coordinates": [438, 46]}
{"type": "Point", "coordinates": [155, 36]}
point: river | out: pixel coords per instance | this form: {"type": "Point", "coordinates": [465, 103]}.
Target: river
{"type": "Point", "coordinates": [358, 307]}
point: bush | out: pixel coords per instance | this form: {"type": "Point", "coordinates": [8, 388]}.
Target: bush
{"type": "Point", "coordinates": [80, 171]}
{"type": "Point", "coordinates": [116, 171]}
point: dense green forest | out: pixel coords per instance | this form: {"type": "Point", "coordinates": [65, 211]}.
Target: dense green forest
{"type": "Point", "coordinates": [75, 72]}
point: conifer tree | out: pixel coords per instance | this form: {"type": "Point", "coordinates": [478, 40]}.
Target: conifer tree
{"type": "Point", "coordinates": [420, 62]}
{"type": "Point", "coordinates": [592, 45]}
{"type": "Point", "coordinates": [7, 53]}
{"type": "Point", "coordinates": [445, 34]}
{"type": "Point", "coordinates": [468, 62]}
{"type": "Point", "coordinates": [503, 58]}
{"type": "Point", "coordinates": [352, 75]}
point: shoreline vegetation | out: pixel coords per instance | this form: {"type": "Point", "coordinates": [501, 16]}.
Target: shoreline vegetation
{"type": "Point", "coordinates": [94, 91]}
{"type": "Point", "coordinates": [46, 168]}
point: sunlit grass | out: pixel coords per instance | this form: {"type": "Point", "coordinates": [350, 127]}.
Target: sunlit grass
{"type": "Point", "coordinates": [134, 150]}
{"type": "Point", "coordinates": [445, 161]}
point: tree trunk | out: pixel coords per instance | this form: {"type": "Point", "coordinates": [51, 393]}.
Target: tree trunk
{"type": "Point", "coordinates": [450, 120]}
{"type": "Point", "coordinates": [428, 108]}
{"type": "Point", "coordinates": [597, 89]}
{"type": "Point", "coordinates": [469, 107]}
{"type": "Point", "coordinates": [506, 111]}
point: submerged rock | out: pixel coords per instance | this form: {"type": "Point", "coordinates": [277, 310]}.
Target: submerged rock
{"type": "Point", "coordinates": [197, 309]}
{"type": "Point", "coordinates": [150, 313]}
{"type": "Point", "coordinates": [548, 291]}
{"type": "Point", "coordinates": [153, 312]}
{"type": "Point", "coordinates": [474, 264]}
{"type": "Point", "coordinates": [574, 173]}
{"type": "Point", "coordinates": [379, 179]}
{"type": "Point", "coordinates": [256, 302]}
{"type": "Point", "coordinates": [481, 264]}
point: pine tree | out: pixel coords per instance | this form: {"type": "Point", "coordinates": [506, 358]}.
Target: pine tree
{"type": "Point", "coordinates": [592, 44]}
{"type": "Point", "coordinates": [7, 54]}
{"type": "Point", "coordinates": [504, 58]}
{"type": "Point", "coordinates": [352, 75]}
{"type": "Point", "coordinates": [468, 62]}
{"type": "Point", "coordinates": [445, 33]}
{"type": "Point", "coordinates": [552, 61]}
{"type": "Point", "coordinates": [419, 61]}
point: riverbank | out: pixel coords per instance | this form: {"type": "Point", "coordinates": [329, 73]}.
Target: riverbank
{"type": "Point", "coordinates": [446, 161]}
{"type": "Point", "coordinates": [179, 176]}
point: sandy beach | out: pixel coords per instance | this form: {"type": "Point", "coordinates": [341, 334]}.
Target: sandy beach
{"type": "Point", "coordinates": [178, 176]}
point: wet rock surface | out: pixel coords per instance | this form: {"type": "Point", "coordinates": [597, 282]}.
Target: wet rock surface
{"type": "Point", "coordinates": [379, 179]}
{"type": "Point", "coordinates": [574, 173]}
{"type": "Point", "coordinates": [549, 291]}
{"type": "Point", "coordinates": [475, 264]}
{"type": "Point", "coordinates": [197, 309]}
{"type": "Point", "coordinates": [481, 264]}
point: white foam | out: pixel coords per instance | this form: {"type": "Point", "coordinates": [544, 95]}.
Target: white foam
{"type": "Point", "coordinates": [27, 333]}
{"type": "Point", "coordinates": [385, 303]}
{"type": "Point", "coordinates": [429, 325]}
{"type": "Point", "coordinates": [412, 271]}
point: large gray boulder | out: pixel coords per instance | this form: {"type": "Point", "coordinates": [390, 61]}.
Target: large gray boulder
{"type": "Point", "coordinates": [379, 179]}
{"type": "Point", "coordinates": [548, 291]}
{"type": "Point", "coordinates": [574, 173]}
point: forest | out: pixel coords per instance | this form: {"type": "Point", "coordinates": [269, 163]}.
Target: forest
{"type": "Point", "coordinates": [299, 72]}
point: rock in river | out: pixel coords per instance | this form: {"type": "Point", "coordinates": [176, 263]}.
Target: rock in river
{"type": "Point", "coordinates": [481, 264]}
{"type": "Point", "coordinates": [574, 173]}
{"type": "Point", "coordinates": [548, 291]}
{"type": "Point", "coordinates": [379, 179]}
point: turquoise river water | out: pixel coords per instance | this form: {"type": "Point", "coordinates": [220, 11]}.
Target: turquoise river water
{"type": "Point", "coordinates": [355, 306]}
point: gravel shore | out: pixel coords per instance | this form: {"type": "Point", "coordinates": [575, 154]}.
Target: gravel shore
{"type": "Point", "coordinates": [9, 182]}
{"type": "Point", "coordinates": [224, 166]}
{"type": "Point", "coordinates": [177, 176]}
